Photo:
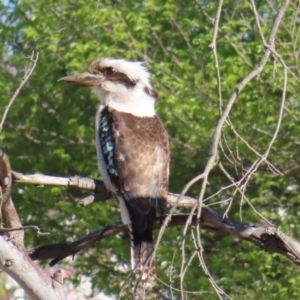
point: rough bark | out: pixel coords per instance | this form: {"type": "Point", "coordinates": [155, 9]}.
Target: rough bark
{"type": "Point", "coordinates": [14, 259]}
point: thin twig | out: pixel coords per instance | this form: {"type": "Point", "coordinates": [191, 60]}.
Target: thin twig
{"type": "Point", "coordinates": [33, 60]}
{"type": "Point", "coordinates": [39, 232]}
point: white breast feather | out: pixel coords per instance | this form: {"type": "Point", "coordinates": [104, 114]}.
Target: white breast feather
{"type": "Point", "coordinates": [128, 100]}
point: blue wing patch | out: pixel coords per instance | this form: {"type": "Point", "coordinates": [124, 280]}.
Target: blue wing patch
{"type": "Point", "coordinates": [107, 145]}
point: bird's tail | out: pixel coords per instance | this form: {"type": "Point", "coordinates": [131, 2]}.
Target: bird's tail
{"type": "Point", "coordinates": [142, 248]}
{"type": "Point", "coordinates": [142, 243]}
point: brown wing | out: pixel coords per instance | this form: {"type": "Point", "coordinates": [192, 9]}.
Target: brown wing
{"type": "Point", "coordinates": [141, 155]}
{"type": "Point", "coordinates": [136, 154]}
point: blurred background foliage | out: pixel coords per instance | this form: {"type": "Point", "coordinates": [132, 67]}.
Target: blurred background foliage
{"type": "Point", "coordinates": [50, 129]}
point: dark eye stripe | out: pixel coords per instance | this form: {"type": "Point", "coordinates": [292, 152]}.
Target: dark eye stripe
{"type": "Point", "coordinates": [123, 79]}
{"type": "Point", "coordinates": [113, 75]}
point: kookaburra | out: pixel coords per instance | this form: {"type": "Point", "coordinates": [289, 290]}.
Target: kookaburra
{"type": "Point", "coordinates": [132, 148]}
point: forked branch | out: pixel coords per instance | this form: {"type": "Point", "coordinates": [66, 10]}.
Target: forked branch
{"type": "Point", "coordinates": [14, 259]}
{"type": "Point", "coordinates": [267, 238]}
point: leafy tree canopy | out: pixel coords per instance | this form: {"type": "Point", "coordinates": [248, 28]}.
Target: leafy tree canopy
{"type": "Point", "coordinates": [50, 129]}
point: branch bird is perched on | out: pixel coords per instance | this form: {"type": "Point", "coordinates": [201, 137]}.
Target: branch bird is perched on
{"type": "Point", "coordinates": [132, 148]}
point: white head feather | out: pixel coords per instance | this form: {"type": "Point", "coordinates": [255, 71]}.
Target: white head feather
{"type": "Point", "coordinates": [137, 99]}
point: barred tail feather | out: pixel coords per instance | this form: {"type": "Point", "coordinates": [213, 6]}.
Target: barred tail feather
{"type": "Point", "coordinates": [142, 244]}
{"type": "Point", "coordinates": [142, 258]}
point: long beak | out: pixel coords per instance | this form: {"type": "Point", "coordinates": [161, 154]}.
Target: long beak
{"type": "Point", "coordinates": [84, 79]}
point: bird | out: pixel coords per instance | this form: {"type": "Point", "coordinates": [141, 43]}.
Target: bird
{"type": "Point", "coordinates": [132, 148]}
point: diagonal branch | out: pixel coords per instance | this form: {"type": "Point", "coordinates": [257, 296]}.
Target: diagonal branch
{"type": "Point", "coordinates": [33, 60]}
{"type": "Point", "coordinates": [267, 238]}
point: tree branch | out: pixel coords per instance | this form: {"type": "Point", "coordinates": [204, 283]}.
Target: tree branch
{"type": "Point", "coordinates": [14, 260]}
{"type": "Point", "coordinates": [267, 238]}
{"type": "Point", "coordinates": [33, 60]}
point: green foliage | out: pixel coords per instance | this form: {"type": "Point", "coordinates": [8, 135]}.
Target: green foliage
{"type": "Point", "coordinates": [50, 128]}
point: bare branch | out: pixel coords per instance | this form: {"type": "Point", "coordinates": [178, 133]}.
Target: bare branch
{"type": "Point", "coordinates": [267, 238]}
{"type": "Point", "coordinates": [35, 282]}
{"type": "Point", "coordinates": [25, 228]}
{"type": "Point", "coordinates": [13, 258]}
{"type": "Point", "coordinates": [270, 46]}
{"type": "Point", "coordinates": [83, 183]}
{"type": "Point", "coordinates": [8, 212]}
{"type": "Point", "coordinates": [33, 60]}
{"type": "Point", "coordinates": [94, 185]}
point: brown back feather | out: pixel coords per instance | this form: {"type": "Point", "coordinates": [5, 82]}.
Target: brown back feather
{"type": "Point", "coordinates": [141, 157]}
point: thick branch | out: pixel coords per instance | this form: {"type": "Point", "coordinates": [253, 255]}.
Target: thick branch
{"type": "Point", "coordinates": [13, 258]}
{"type": "Point", "coordinates": [35, 282]}
{"type": "Point", "coordinates": [9, 214]}
{"type": "Point", "coordinates": [268, 239]}
{"type": "Point", "coordinates": [93, 185]}
{"type": "Point", "coordinates": [96, 186]}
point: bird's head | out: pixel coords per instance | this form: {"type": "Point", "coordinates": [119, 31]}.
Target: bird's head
{"type": "Point", "coordinates": [120, 84]}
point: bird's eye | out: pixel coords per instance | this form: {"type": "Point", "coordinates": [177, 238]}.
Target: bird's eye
{"type": "Point", "coordinates": [110, 71]}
